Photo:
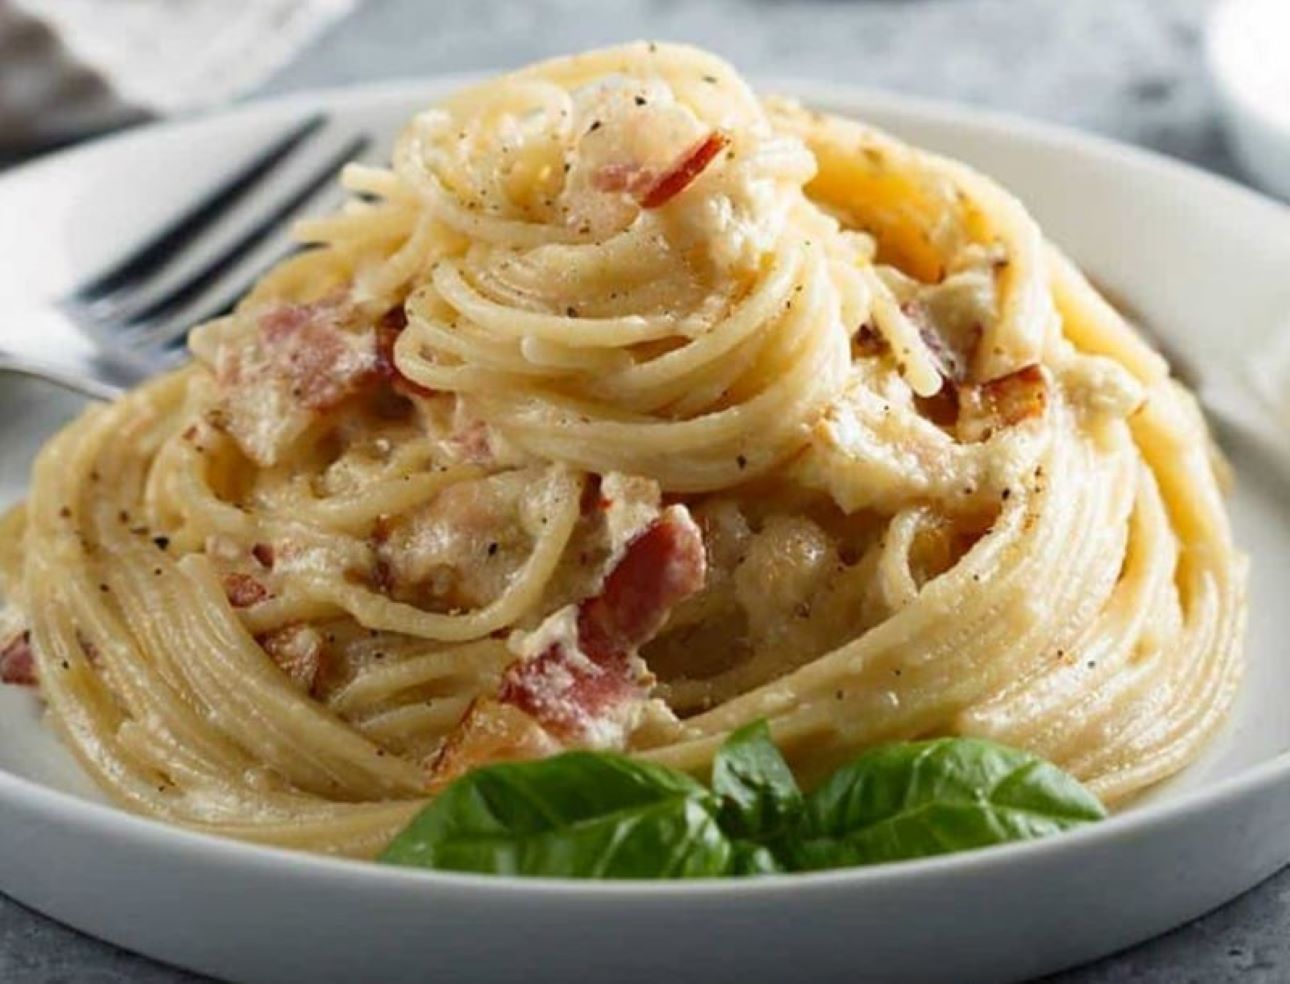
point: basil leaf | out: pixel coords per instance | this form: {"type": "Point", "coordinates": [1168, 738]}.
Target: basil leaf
{"type": "Point", "coordinates": [759, 797]}
{"type": "Point", "coordinates": [748, 858]}
{"type": "Point", "coordinates": [577, 815]}
{"type": "Point", "coordinates": [915, 799]}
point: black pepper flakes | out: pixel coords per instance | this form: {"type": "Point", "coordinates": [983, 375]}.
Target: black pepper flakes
{"type": "Point", "coordinates": [742, 462]}
{"type": "Point", "coordinates": [641, 100]}
{"type": "Point", "coordinates": [161, 542]}
{"type": "Point", "coordinates": [595, 125]}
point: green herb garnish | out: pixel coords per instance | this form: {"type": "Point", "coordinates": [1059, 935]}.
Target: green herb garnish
{"type": "Point", "coordinates": [599, 815]}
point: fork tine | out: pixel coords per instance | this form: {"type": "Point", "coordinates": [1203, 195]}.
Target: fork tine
{"type": "Point", "coordinates": [172, 334]}
{"type": "Point", "coordinates": [156, 310]}
{"type": "Point", "coordinates": [157, 251]}
{"type": "Point", "coordinates": [223, 304]}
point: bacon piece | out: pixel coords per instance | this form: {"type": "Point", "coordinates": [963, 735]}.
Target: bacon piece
{"type": "Point", "coordinates": [387, 333]}
{"type": "Point", "coordinates": [243, 590]}
{"type": "Point", "coordinates": [490, 731]}
{"type": "Point", "coordinates": [1002, 402]}
{"type": "Point", "coordinates": [870, 342]}
{"type": "Point", "coordinates": [298, 364]}
{"type": "Point", "coordinates": [942, 407]}
{"type": "Point", "coordinates": [574, 685]}
{"type": "Point", "coordinates": [395, 319]}
{"type": "Point", "coordinates": [264, 555]}
{"type": "Point", "coordinates": [582, 684]}
{"type": "Point", "coordinates": [574, 697]}
{"type": "Point", "coordinates": [679, 177]}
{"type": "Point", "coordinates": [1017, 396]}
{"type": "Point", "coordinates": [298, 650]}
{"type": "Point", "coordinates": [323, 364]}
{"type": "Point", "coordinates": [17, 662]}
{"type": "Point", "coordinates": [661, 567]}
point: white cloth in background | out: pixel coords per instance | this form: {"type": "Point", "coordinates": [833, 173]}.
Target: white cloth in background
{"type": "Point", "coordinates": [73, 66]}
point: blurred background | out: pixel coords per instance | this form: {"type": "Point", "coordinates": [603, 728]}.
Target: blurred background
{"type": "Point", "coordinates": [1136, 70]}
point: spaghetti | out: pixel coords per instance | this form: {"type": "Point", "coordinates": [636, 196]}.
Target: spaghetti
{"type": "Point", "coordinates": [624, 409]}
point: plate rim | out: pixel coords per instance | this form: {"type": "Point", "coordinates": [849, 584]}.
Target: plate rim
{"type": "Point", "coordinates": [111, 820]}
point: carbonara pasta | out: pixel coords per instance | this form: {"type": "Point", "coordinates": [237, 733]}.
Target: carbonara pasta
{"type": "Point", "coordinates": [625, 408]}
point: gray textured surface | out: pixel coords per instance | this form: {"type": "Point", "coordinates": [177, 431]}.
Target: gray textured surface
{"type": "Point", "coordinates": [1131, 69]}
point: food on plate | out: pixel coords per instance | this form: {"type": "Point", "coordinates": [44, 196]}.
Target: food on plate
{"type": "Point", "coordinates": [628, 409]}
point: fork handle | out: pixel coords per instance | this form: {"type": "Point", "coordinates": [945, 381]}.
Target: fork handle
{"type": "Point", "coordinates": [95, 389]}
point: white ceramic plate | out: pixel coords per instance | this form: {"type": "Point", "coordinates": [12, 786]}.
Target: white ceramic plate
{"type": "Point", "coordinates": [1208, 263]}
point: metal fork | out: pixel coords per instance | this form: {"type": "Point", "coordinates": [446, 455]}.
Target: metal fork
{"type": "Point", "coordinates": [137, 313]}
